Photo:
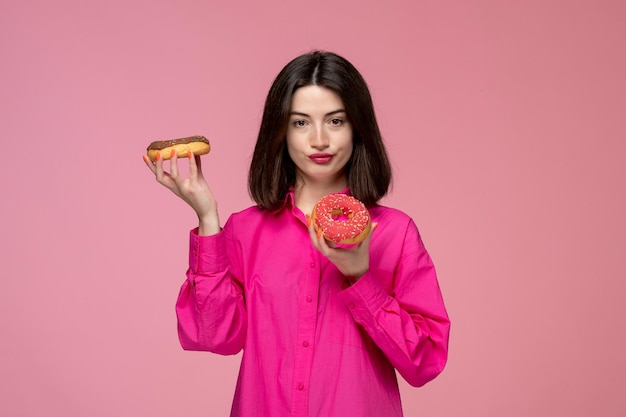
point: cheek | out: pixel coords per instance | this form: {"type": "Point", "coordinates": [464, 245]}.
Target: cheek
{"type": "Point", "coordinates": [291, 143]}
{"type": "Point", "coordinates": [348, 143]}
{"type": "Point", "coordinates": [293, 150]}
{"type": "Point", "coordinates": [347, 149]}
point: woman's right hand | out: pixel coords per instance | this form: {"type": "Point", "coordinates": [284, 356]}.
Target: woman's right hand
{"type": "Point", "coordinates": [194, 190]}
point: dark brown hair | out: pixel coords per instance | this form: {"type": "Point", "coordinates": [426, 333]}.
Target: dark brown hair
{"type": "Point", "coordinates": [272, 172]}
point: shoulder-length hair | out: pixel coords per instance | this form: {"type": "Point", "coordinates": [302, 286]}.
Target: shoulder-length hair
{"type": "Point", "coordinates": [272, 172]}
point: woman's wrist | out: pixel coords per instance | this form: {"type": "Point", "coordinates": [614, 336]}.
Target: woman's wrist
{"type": "Point", "coordinates": [353, 278]}
{"type": "Point", "coordinates": [209, 225]}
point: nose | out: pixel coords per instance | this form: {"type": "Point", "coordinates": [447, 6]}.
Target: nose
{"type": "Point", "coordinates": [319, 138]}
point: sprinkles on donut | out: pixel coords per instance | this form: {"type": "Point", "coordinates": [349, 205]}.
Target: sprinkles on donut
{"type": "Point", "coordinates": [342, 219]}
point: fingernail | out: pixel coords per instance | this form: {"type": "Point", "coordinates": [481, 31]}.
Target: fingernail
{"type": "Point", "coordinates": [308, 220]}
{"type": "Point", "coordinates": [158, 156]}
{"type": "Point", "coordinates": [173, 153]}
{"type": "Point", "coordinates": [319, 233]}
{"type": "Point", "coordinates": [189, 154]}
{"type": "Point", "coordinates": [145, 158]}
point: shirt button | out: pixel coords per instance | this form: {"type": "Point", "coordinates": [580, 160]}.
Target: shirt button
{"type": "Point", "coordinates": [309, 298]}
{"type": "Point", "coordinates": [351, 305]}
{"type": "Point", "coordinates": [300, 387]}
{"type": "Point", "coordinates": [305, 344]}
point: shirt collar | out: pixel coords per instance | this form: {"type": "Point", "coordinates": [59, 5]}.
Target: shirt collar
{"type": "Point", "coordinates": [290, 201]}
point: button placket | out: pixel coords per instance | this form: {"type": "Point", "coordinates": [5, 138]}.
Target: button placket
{"type": "Point", "coordinates": [307, 322]}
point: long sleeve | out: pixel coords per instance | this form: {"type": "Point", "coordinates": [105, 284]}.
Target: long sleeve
{"type": "Point", "coordinates": [261, 286]}
{"type": "Point", "coordinates": [402, 309]}
{"type": "Point", "coordinates": [211, 308]}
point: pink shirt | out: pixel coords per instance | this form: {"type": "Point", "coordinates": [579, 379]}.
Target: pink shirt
{"type": "Point", "coordinates": [312, 344]}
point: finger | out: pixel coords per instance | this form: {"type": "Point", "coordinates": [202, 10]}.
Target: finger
{"type": "Point", "coordinates": [158, 168]}
{"type": "Point", "coordinates": [323, 245]}
{"type": "Point", "coordinates": [312, 233]}
{"type": "Point", "coordinates": [329, 244]}
{"type": "Point", "coordinates": [198, 162]}
{"type": "Point", "coordinates": [174, 165]}
{"type": "Point", "coordinates": [316, 237]}
{"type": "Point", "coordinates": [374, 227]}
{"type": "Point", "coordinates": [149, 163]}
{"type": "Point", "coordinates": [193, 168]}
{"type": "Point", "coordinates": [368, 238]}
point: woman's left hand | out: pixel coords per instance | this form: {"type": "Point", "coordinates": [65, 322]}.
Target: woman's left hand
{"type": "Point", "coordinates": [351, 262]}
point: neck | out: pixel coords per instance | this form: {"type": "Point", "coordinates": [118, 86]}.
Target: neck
{"type": "Point", "coordinates": [306, 195]}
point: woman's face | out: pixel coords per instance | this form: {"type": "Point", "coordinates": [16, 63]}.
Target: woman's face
{"type": "Point", "coordinates": [319, 135]}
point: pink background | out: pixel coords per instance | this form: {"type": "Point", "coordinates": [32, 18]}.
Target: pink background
{"type": "Point", "coordinates": [505, 122]}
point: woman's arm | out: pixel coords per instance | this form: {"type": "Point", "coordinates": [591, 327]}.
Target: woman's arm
{"type": "Point", "coordinates": [403, 310]}
{"type": "Point", "coordinates": [211, 308]}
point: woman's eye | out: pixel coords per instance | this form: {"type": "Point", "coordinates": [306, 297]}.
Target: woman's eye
{"type": "Point", "coordinates": [336, 122]}
{"type": "Point", "coordinates": [299, 123]}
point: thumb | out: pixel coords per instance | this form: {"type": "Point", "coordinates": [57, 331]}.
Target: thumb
{"type": "Point", "coordinates": [366, 242]}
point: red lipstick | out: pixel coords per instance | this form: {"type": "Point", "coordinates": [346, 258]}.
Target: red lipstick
{"type": "Point", "coordinates": [321, 158]}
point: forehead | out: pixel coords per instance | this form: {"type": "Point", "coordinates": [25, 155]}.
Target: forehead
{"type": "Point", "coordinates": [314, 98]}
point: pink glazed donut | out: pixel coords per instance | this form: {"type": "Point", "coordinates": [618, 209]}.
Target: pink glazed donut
{"type": "Point", "coordinates": [342, 219]}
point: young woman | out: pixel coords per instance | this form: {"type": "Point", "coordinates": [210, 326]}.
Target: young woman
{"type": "Point", "coordinates": [323, 329]}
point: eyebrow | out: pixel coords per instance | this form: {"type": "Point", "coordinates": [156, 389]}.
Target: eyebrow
{"type": "Point", "coordinates": [297, 113]}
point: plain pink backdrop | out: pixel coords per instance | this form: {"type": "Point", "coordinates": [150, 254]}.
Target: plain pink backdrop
{"type": "Point", "coordinates": [506, 125]}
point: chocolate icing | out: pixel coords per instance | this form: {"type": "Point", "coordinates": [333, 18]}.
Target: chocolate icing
{"type": "Point", "coordinates": [162, 144]}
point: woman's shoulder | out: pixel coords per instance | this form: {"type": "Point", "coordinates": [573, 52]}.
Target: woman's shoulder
{"type": "Point", "coordinates": [394, 219]}
{"type": "Point", "coordinates": [241, 221]}
{"type": "Point", "coordinates": [389, 214]}
{"type": "Point", "coordinates": [250, 211]}
{"type": "Point", "coordinates": [396, 224]}
{"type": "Point", "coordinates": [255, 215]}
{"type": "Point", "coordinates": [248, 214]}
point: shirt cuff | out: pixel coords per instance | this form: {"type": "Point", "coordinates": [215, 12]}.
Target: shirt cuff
{"type": "Point", "coordinates": [207, 254]}
{"type": "Point", "coordinates": [366, 295]}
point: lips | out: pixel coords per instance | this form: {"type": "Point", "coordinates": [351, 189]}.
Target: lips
{"type": "Point", "coordinates": [321, 158]}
